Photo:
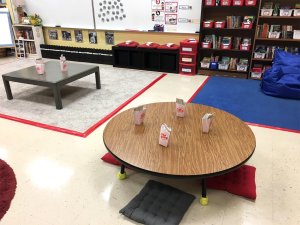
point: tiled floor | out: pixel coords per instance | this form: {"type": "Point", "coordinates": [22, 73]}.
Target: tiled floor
{"type": "Point", "coordinates": [62, 181]}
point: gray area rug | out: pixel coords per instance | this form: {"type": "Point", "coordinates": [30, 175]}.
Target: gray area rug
{"type": "Point", "coordinates": [83, 104]}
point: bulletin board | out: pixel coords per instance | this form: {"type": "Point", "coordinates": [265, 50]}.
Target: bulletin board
{"type": "Point", "coordinates": [179, 16]}
{"type": "Point", "coordinates": [6, 37]}
{"type": "Point", "coordinates": [64, 13]}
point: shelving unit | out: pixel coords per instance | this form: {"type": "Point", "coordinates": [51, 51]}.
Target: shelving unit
{"type": "Point", "coordinates": [32, 36]}
{"type": "Point", "coordinates": [220, 13]}
{"type": "Point", "coordinates": [20, 48]}
{"type": "Point", "coordinates": [280, 42]}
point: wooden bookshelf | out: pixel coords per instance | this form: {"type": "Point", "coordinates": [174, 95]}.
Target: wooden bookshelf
{"type": "Point", "coordinates": [220, 13]}
{"type": "Point", "coordinates": [276, 20]}
{"type": "Point", "coordinates": [32, 36]}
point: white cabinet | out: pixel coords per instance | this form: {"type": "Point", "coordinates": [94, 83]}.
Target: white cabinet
{"type": "Point", "coordinates": [32, 37]}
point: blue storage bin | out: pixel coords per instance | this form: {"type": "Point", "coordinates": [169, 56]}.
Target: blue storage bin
{"type": "Point", "coordinates": [214, 65]}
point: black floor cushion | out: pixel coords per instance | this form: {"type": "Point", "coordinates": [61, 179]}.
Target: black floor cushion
{"type": "Point", "coordinates": [158, 204]}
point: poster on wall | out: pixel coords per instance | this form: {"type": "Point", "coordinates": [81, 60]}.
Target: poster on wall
{"type": "Point", "coordinates": [53, 35]}
{"type": "Point", "coordinates": [66, 35]}
{"type": "Point", "coordinates": [171, 19]}
{"type": "Point", "coordinates": [78, 35]}
{"type": "Point", "coordinates": [171, 7]}
{"type": "Point", "coordinates": [158, 16]}
{"type": "Point", "coordinates": [158, 5]}
{"type": "Point", "coordinates": [109, 38]}
{"type": "Point", "coordinates": [93, 37]}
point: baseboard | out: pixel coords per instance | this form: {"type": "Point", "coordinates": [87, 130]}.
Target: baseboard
{"type": "Point", "coordinates": [91, 55]}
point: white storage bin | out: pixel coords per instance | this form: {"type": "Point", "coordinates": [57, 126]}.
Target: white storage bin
{"type": "Point", "coordinates": [223, 66]}
{"type": "Point", "coordinates": [266, 12]}
{"type": "Point", "coordinates": [296, 12]}
{"type": "Point", "coordinates": [259, 55]}
{"type": "Point", "coordinates": [256, 75]}
{"type": "Point", "coordinates": [205, 65]}
{"type": "Point", "coordinates": [274, 34]}
{"type": "Point", "coordinates": [285, 12]}
{"type": "Point", "coordinates": [242, 68]}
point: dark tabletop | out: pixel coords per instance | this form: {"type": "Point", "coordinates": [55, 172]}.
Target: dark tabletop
{"type": "Point", "coordinates": [52, 73]}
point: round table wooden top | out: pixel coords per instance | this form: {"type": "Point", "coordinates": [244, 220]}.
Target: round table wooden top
{"type": "Point", "coordinates": [228, 145]}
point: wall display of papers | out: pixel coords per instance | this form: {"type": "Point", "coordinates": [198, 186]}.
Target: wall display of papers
{"type": "Point", "coordinates": [180, 16]}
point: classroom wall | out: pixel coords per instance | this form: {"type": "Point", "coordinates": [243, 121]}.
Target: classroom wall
{"type": "Point", "coordinates": [120, 36]}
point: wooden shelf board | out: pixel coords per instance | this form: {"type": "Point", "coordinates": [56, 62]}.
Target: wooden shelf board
{"type": "Point", "coordinates": [279, 17]}
{"type": "Point", "coordinates": [224, 50]}
{"type": "Point", "coordinates": [228, 29]}
{"type": "Point", "coordinates": [233, 71]}
{"type": "Point", "coordinates": [262, 60]}
{"type": "Point", "coordinates": [278, 39]}
{"type": "Point", "coordinates": [230, 7]}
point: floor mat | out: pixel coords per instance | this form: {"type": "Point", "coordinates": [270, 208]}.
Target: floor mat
{"type": "Point", "coordinates": [244, 99]}
{"type": "Point", "coordinates": [83, 105]}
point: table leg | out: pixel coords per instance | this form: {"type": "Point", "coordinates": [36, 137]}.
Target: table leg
{"type": "Point", "coordinates": [7, 89]}
{"type": "Point", "coordinates": [57, 97]}
{"type": "Point", "coordinates": [204, 198]}
{"type": "Point", "coordinates": [98, 82]}
{"type": "Point", "coordinates": [122, 174]}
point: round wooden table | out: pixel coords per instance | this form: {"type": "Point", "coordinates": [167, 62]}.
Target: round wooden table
{"type": "Point", "coordinates": [191, 153]}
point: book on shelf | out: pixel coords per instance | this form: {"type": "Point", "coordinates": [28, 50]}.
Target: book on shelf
{"type": "Point", "coordinates": [234, 22]}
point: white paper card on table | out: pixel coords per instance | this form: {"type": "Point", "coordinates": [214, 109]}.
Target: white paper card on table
{"type": "Point", "coordinates": [180, 107]}
{"type": "Point", "coordinates": [206, 122]}
{"type": "Point", "coordinates": [164, 135]}
{"type": "Point", "coordinates": [139, 115]}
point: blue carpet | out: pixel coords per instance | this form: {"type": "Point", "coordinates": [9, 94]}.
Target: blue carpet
{"type": "Point", "coordinates": [244, 99]}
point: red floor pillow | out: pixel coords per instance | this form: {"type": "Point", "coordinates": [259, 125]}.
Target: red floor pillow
{"type": "Point", "coordinates": [110, 159]}
{"type": "Point", "coordinates": [168, 46]}
{"type": "Point", "coordinates": [132, 44]}
{"type": "Point", "coordinates": [149, 45]}
{"type": "Point", "coordinates": [239, 182]}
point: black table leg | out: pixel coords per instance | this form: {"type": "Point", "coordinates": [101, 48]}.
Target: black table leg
{"type": "Point", "coordinates": [122, 174]}
{"type": "Point", "coordinates": [203, 199]}
{"type": "Point", "coordinates": [57, 97]}
{"type": "Point", "coordinates": [7, 89]}
{"type": "Point", "coordinates": [98, 82]}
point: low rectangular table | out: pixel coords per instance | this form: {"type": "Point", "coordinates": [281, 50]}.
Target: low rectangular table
{"type": "Point", "coordinates": [53, 77]}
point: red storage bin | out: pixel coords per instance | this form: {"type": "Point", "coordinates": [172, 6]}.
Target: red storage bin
{"type": "Point", "coordinates": [150, 45]}
{"type": "Point", "coordinates": [206, 44]}
{"type": "Point", "coordinates": [220, 24]}
{"type": "Point", "coordinates": [187, 69]}
{"type": "Point", "coordinates": [238, 2]}
{"type": "Point", "coordinates": [247, 25]}
{"type": "Point", "coordinates": [208, 24]}
{"type": "Point", "coordinates": [250, 2]}
{"type": "Point", "coordinates": [189, 46]}
{"type": "Point", "coordinates": [225, 2]}
{"type": "Point", "coordinates": [187, 58]}
{"type": "Point", "coordinates": [210, 2]}
{"type": "Point", "coordinates": [245, 47]}
{"type": "Point", "coordinates": [226, 47]}
{"type": "Point", "coordinates": [131, 44]}
{"type": "Point", "coordinates": [168, 47]}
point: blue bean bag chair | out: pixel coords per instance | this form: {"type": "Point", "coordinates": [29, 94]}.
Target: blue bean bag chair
{"type": "Point", "coordinates": [283, 78]}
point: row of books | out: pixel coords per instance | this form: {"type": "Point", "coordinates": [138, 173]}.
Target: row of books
{"type": "Point", "coordinates": [230, 63]}
{"type": "Point", "coordinates": [26, 34]}
{"type": "Point", "coordinates": [276, 7]}
{"type": "Point", "coordinates": [30, 48]}
{"type": "Point", "coordinates": [263, 30]}
{"type": "Point", "coordinates": [236, 21]}
{"type": "Point", "coordinates": [269, 51]}
{"type": "Point", "coordinates": [218, 40]}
